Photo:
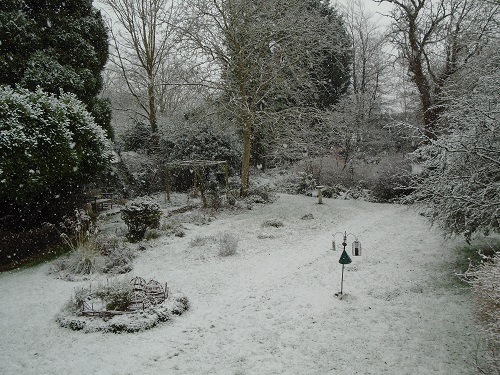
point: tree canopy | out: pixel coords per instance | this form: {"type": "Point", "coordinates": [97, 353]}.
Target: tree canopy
{"type": "Point", "coordinates": [436, 39]}
{"type": "Point", "coordinates": [460, 186]}
{"type": "Point", "coordinates": [55, 45]}
{"type": "Point", "coordinates": [271, 57]}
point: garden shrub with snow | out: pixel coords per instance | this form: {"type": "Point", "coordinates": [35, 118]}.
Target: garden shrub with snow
{"type": "Point", "coordinates": [460, 184]}
{"type": "Point", "coordinates": [486, 292]}
{"type": "Point", "coordinates": [46, 141]}
{"type": "Point", "coordinates": [49, 147]}
{"type": "Point", "coordinates": [484, 279]}
{"type": "Point", "coordinates": [228, 244]}
{"type": "Point", "coordinates": [139, 215]}
{"type": "Point", "coordinates": [172, 228]}
{"type": "Point", "coordinates": [94, 254]}
{"type": "Point", "coordinates": [111, 302]}
{"type": "Point", "coordinates": [392, 180]}
{"type": "Point", "coordinates": [202, 142]}
{"type": "Point", "coordinates": [259, 194]}
{"type": "Point", "coordinates": [275, 223]}
{"type": "Point", "coordinates": [385, 180]}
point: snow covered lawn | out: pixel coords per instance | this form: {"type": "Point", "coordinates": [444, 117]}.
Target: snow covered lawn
{"type": "Point", "coordinates": [271, 308]}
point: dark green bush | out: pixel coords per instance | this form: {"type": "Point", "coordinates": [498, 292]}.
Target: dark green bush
{"type": "Point", "coordinates": [137, 138]}
{"type": "Point", "coordinates": [49, 148]}
{"type": "Point", "coordinates": [139, 215]}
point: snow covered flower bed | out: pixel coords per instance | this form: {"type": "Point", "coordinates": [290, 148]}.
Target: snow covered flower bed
{"type": "Point", "coordinates": [121, 306]}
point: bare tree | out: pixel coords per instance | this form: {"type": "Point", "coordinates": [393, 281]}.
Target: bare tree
{"type": "Point", "coordinates": [460, 186]}
{"type": "Point", "coordinates": [436, 38]}
{"type": "Point", "coordinates": [370, 61]}
{"type": "Point", "coordinates": [263, 52]}
{"type": "Point", "coordinates": [144, 43]}
{"type": "Point", "coordinates": [370, 68]}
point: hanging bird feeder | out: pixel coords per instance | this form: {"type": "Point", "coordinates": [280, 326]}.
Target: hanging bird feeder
{"type": "Point", "coordinates": [344, 257]}
{"type": "Point", "coordinates": [356, 248]}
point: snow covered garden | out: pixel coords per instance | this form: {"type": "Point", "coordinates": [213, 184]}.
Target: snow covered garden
{"type": "Point", "coordinates": [271, 307]}
{"type": "Point", "coordinates": [249, 187]}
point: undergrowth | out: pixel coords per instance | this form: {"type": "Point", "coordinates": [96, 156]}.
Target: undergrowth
{"type": "Point", "coordinates": [483, 275]}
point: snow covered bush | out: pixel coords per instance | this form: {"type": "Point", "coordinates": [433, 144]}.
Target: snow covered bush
{"type": "Point", "coordinates": [459, 188]}
{"type": "Point", "coordinates": [485, 282]}
{"type": "Point", "coordinates": [46, 140]}
{"type": "Point", "coordinates": [305, 182]}
{"type": "Point", "coordinates": [137, 138]}
{"type": "Point", "coordinates": [94, 254]}
{"type": "Point", "coordinates": [119, 260]}
{"type": "Point", "coordinates": [261, 194]}
{"type": "Point", "coordinates": [56, 45]}
{"type": "Point", "coordinates": [139, 215]}
{"type": "Point", "coordinates": [151, 234]}
{"type": "Point", "coordinates": [85, 260]}
{"type": "Point", "coordinates": [228, 244]}
{"type": "Point", "coordinates": [173, 228]}
{"type": "Point", "coordinates": [275, 223]}
{"type": "Point", "coordinates": [116, 294]}
{"type": "Point", "coordinates": [202, 241]}
{"type": "Point", "coordinates": [141, 174]}
{"type": "Point", "coordinates": [202, 142]}
{"type": "Point", "coordinates": [48, 147]}
{"type": "Point", "coordinates": [486, 292]}
{"type": "Point", "coordinates": [205, 142]}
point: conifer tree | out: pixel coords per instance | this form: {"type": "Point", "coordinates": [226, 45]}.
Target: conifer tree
{"type": "Point", "coordinates": [55, 45]}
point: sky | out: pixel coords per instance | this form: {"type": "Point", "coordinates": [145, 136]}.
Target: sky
{"type": "Point", "coordinates": [371, 6]}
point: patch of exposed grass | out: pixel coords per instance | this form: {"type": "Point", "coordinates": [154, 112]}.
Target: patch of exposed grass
{"type": "Point", "coordinates": [472, 254]}
{"type": "Point", "coordinates": [37, 259]}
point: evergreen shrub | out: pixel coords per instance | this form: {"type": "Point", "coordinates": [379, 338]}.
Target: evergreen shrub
{"type": "Point", "coordinates": [49, 148]}
{"type": "Point", "coordinates": [139, 215]}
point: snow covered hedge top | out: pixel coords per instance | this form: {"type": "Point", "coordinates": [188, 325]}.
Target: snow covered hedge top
{"type": "Point", "coordinates": [139, 215]}
{"type": "Point", "coordinates": [141, 204]}
{"type": "Point", "coordinates": [46, 139]}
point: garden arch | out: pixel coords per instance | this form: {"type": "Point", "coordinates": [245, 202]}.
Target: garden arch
{"type": "Point", "coordinates": [195, 166]}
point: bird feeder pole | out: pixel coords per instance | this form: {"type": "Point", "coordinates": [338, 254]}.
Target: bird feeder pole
{"type": "Point", "coordinates": [345, 258]}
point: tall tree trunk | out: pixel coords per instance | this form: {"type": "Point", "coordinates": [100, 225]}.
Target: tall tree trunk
{"type": "Point", "coordinates": [245, 160]}
{"type": "Point", "coordinates": [152, 114]}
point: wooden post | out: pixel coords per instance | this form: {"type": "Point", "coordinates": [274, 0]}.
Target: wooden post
{"type": "Point", "coordinates": [195, 183]}
{"type": "Point", "coordinates": [167, 196]}
{"type": "Point", "coordinates": [226, 170]}
{"type": "Point", "coordinates": [320, 194]}
{"type": "Point", "coordinates": [203, 185]}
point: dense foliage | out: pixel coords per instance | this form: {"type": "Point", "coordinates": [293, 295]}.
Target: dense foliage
{"type": "Point", "coordinates": [331, 71]}
{"type": "Point", "coordinates": [460, 186]}
{"type": "Point", "coordinates": [139, 215]}
{"type": "Point", "coordinates": [48, 145]}
{"type": "Point", "coordinates": [204, 142]}
{"type": "Point", "coordinates": [56, 45]}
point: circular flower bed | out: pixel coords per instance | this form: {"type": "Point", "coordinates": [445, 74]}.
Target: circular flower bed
{"type": "Point", "coordinates": [121, 306]}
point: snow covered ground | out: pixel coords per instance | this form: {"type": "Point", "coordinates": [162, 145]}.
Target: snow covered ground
{"type": "Point", "coordinates": [271, 308]}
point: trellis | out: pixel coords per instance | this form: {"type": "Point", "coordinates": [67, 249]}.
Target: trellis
{"type": "Point", "coordinates": [143, 295]}
{"type": "Point", "coordinates": [194, 166]}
